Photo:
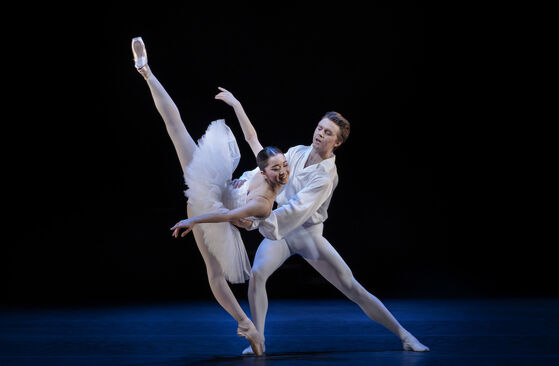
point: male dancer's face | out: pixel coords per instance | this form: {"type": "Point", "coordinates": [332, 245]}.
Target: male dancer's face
{"type": "Point", "coordinates": [325, 137]}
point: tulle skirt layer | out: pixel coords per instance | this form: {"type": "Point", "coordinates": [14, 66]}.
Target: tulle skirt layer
{"type": "Point", "coordinates": [209, 190]}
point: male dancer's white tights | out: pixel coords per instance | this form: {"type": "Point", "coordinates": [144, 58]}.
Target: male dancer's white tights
{"type": "Point", "coordinates": [319, 253]}
{"type": "Point", "coordinates": [185, 146]}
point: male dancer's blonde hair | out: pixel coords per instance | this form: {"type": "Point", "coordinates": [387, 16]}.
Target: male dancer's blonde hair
{"type": "Point", "coordinates": [342, 123]}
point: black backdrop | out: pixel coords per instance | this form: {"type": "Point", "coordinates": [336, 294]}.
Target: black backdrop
{"type": "Point", "coordinates": [432, 194]}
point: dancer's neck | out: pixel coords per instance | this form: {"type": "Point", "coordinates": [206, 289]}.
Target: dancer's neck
{"type": "Point", "coordinates": [316, 156]}
{"type": "Point", "coordinates": [274, 187]}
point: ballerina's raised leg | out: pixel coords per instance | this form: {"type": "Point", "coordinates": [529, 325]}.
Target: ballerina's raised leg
{"type": "Point", "coordinates": [185, 147]}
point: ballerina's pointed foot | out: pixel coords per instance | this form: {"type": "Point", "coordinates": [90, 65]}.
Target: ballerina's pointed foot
{"type": "Point", "coordinates": [410, 343]}
{"type": "Point", "coordinates": [140, 57]}
{"type": "Point", "coordinates": [254, 337]}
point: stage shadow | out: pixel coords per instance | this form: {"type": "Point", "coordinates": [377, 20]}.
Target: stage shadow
{"type": "Point", "coordinates": [371, 357]}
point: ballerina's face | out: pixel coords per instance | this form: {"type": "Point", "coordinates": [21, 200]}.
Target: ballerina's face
{"type": "Point", "coordinates": [277, 169]}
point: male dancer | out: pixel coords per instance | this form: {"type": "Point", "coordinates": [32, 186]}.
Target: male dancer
{"type": "Point", "coordinates": [296, 226]}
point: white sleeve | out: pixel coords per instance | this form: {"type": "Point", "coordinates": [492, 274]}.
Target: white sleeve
{"type": "Point", "coordinates": [298, 210]}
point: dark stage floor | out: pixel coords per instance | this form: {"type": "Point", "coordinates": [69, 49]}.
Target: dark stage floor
{"type": "Point", "coordinates": [310, 332]}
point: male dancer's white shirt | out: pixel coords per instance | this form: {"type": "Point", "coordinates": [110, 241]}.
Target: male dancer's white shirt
{"type": "Point", "coordinates": [304, 200]}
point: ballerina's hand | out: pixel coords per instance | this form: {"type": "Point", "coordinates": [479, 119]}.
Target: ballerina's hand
{"type": "Point", "coordinates": [227, 97]}
{"type": "Point", "coordinates": [186, 224]}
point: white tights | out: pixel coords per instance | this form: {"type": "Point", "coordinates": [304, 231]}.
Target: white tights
{"type": "Point", "coordinates": [320, 254]}
{"type": "Point", "coordinates": [185, 146]}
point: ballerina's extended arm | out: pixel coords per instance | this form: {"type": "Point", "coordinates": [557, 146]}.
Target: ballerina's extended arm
{"type": "Point", "coordinates": [248, 129]}
{"type": "Point", "coordinates": [256, 207]}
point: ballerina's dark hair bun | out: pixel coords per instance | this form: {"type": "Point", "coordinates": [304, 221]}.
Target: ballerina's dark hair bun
{"type": "Point", "coordinates": [265, 154]}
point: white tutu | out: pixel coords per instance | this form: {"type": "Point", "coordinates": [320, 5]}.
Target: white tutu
{"type": "Point", "coordinates": [209, 191]}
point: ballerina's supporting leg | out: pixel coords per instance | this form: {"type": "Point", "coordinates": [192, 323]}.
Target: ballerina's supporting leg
{"type": "Point", "coordinates": [225, 297]}
{"type": "Point", "coordinates": [185, 147]}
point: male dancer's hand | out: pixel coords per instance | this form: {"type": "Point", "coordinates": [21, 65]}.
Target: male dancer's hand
{"type": "Point", "coordinates": [242, 223]}
{"type": "Point", "coordinates": [236, 183]}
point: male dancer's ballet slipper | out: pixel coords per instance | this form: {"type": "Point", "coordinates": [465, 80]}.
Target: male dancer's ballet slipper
{"type": "Point", "coordinates": [410, 343]}
{"type": "Point", "coordinates": [249, 351]}
{"type": "Point", "coordinates": [255, 339]}
{"type": "Point", "coordinates": [140, 56]}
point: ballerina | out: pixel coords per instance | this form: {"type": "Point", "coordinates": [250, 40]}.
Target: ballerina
{"type": "Point", "coordinates": [214, 201]}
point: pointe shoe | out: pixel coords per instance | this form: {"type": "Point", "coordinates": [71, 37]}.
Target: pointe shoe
{"type": "Point", "coordinates": [140, 56]}
{"type": "Point", "coordinates": [255, 339]}
{"type": "Point", "coordinates": [139, 52]}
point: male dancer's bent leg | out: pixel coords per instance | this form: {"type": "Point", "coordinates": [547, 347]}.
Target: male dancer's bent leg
{"type": "Point", "coordinates": [270, 255]}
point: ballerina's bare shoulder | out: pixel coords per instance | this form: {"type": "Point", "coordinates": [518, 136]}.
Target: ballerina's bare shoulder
{"type": "Point", "coordinates": [260, 193]}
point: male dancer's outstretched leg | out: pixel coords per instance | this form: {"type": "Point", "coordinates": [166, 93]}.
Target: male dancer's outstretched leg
{"type": "Point", "coordinates": [332, 267]}
{"type": "Point", "coordinates": [326, 260]}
